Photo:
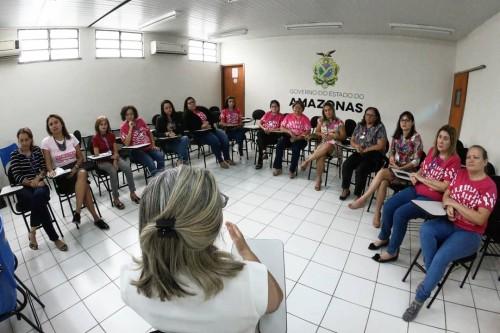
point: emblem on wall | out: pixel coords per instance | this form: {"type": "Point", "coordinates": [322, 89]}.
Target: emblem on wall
{"type": "Point", "coordinates": [325, 70]}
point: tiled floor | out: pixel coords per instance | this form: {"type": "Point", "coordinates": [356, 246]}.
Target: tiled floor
{"type": "Point", "coordinates": [332, 284]}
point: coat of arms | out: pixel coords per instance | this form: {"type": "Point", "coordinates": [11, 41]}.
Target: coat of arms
{"type": "Point", "coordinates": [325, 70]}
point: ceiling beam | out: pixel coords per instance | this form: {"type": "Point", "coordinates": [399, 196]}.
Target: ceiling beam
{"type": "Point", "coordinates": [112, 10]}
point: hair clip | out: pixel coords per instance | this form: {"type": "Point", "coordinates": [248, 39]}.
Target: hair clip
{"type": "Point", "coordinates": [166, 227]}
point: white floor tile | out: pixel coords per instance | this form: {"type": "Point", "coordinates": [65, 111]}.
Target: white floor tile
{"type": "Point", "coordinates": [419, 328]}
{"type": "Point", "coordinates": [390, 300]}
{"type": "Point", "coordinates": [307, 303]}
{"type": "Point", "coordinates": [76, 265]}
{"type": "Point", "coordinates": [59, 299]}
{"type": "Point", "coordinates": [485, 298]}
{"type": "Point", "coordinates": [342, 316]}
{"type": "Point", "coordinates": [275, 204]}
{"type": "Point", "coordinates": [488, 321]}
{"type": "Point", "coordinates": [48, 279]}
{"type": "Point", "coordinates": [104, 249]}
{"type": "Point", "coordinates": [270, 232]}
{"type": "Point", "coordinates": [104, 302]}
{"type": "Point", "coordinates": [362, 266]}
{"type": "Point", "coordinates": [305, 201]}
{"type": "Point", "coordinates": [320, 218]}
{"type": "Point", "coordinates": [338, 239]}
{"type": "Point", "coordinates": [320, 277]}
{"type": "Point", "coordinates": [311, 231]}
{"type": "Point", "coordinates": [381, 322]}
{"type": "Point", "coordinates": [434, 316]}
{"type": "Point", "coordinates": [262, 215]}
{"type": "Point", "coordinates": [355, 290]}
{"type": "Point", "coordinates": [301, 246]}
{"type": "Point", "coordinates": [126, 237]}
{"type": "Point", "coordinates": [461, 318]}
{"type": "Point", "coordinates": [455, 294]}
{"type": "Point", "coordinates": [296, 211]}
{"type": "Point", "coordinates": [113, 264]}
{"type": "Point", "coordinates": [392, 275]}
{"type": "Point", "coordinates": [294, 266]}
{"type": "Point", "coordinates": [331, 256]}
{"type": "Point", "coordinates": [297, 325]}
{"type": "Point", "coordinates": [89, 281]}
{"type": "Point", "coordinates": [125, 321]}
{"type": "Point", "coordinates": [76, 319]}
{"type": "Point", "coordinates": [286, 223]}
{"type": "Point", "coordinates": [250, 228]}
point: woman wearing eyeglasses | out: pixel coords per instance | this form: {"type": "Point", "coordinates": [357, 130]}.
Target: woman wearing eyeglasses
{"type": "Point", "coordinates": [183, 281]}
{"type": "Point", "coordinates": [369, 139]}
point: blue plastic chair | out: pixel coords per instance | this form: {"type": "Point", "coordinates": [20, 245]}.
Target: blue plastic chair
{"type": "Point", "coordinates": [7, 281]}
{"type": "Point", "coordinates": [5, 155]}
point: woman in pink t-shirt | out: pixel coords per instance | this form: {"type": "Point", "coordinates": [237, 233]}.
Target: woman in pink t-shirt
{"type": "Point", "coordinates": [62, 150]}
{"type": "Point", "coordinates": [469, 201]}
{"type": "Point", "coordinates": [269, 131]}
{"type": "Point", "coordinates": [331, 130]}
{"type": "Point", "coordinates": [135, 131]}
{"type": "Point", "coordinates": [231, 122]}
{"type": "Point", "coordinates": [436, 173]}
{"type": "Point", "coordinates": [296, 128]}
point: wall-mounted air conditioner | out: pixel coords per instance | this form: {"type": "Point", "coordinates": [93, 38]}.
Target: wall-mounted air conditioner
{"type": "Point", "coordinates": [9, 48]}
{"type": "Point", "coordinates": [167, 48]}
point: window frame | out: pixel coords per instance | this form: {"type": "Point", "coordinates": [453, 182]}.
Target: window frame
{"type": "Point", "coordinates": [203, 51]}
{"type": "Point", "coordinates": [49, 48]}
{"type": "Point", "coordinates": [119, 44]}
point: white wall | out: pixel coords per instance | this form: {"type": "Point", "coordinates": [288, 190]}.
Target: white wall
{"type": "Point", "coordinates": [394, 74]}
{"type": "Point", "coordinates": [482, 116]}
{"type": "Point", "coordinates": [81, 90]}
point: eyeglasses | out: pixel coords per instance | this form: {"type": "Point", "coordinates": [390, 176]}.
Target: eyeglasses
{"type": "Point", "coordinates": [225, 199]}
{"type": "Point", "coordinates": [406, 120]}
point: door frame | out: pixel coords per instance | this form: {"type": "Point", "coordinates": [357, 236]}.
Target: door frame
{"type": "Point", "coordinates": [222, 67]}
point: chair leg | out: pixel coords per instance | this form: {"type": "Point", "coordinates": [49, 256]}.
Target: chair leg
{"type": "Point", "coordinates": [414, 261]}
{"type": "Point", "coordinates": [485, 249]}
{"type": "Point", "coordinates": [441, 284]}
{"type": "Point", "coordinates": [54, 220]}
{"type": "Point", "coordinates": [62, 209]}
{"type": "Point", "coordinates": [95, 203]}
{"type": "Point", "coordinates": [370, 203]}
{"type": "Point", "coordinates": [310, 169]}
{"type": "Point", "coordinates": [467, 273]}
{"type": "Point", "coordinates": [26, 221]}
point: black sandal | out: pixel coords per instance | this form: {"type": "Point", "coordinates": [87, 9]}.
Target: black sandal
{"type": "Point", "coordinates": [372, 246]}
{"type": "Point", "coordinates": [343, 197]}
{"type": "Point", "coordinates": [118, 204]}
{"type": "Point", "coordinates": [136, 199]}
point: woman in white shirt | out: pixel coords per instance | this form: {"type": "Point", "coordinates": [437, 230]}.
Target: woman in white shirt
{"type": "Point", "coordinates": [62, 150]}
{"type": "Point", "coordinates": [183, 283]}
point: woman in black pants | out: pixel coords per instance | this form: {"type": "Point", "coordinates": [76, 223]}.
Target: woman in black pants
{"type": "Point", "coordinates": [369, 139]}
{"type": "Point", "coordinates": [27, 168]}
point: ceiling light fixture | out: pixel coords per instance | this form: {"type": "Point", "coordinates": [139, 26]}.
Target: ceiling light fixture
{"type": "Point", "coordinates": [421, 27]}
{"type": "Point", "coordinates": [165, 17]}
{"type": "Point", "coordinates": [318, 25]}
{"type": "Point", "coordinates": [230, 33]}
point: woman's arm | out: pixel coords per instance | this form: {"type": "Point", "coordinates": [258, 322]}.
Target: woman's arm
{"type": "Point", "coordinates": [128, 138]}
{"type": "Point", "coordinates": [48, 160]}
{"type": "Point", "coordinates": [79, 157]}
{"type": "Point", "coordinates": [340, 135]}
{"type": "Point", "coordinates": [477, 217]}
{"type": "Point", "coordinates": [274, 292]}
{"type": "Point", "coordinates": [379, 146]}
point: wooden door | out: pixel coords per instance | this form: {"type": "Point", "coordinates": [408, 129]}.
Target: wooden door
{"type": "Point", "coordinates": [233, 84]}
{"type": "Point", "coordinates": [458, 100]}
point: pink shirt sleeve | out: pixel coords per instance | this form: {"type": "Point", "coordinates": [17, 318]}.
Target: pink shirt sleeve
{"type": "Point", "coordinates": [451, 168]}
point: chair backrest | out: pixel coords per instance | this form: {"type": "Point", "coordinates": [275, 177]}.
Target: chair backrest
{"type": "Point", "coordinates": [214, 109]}
{"type": "Point", "coordinates": [314, 122]}
{"type": "Point", "coordinates": [423, 155]}
{"type": "Point", "coordinates": [155, 119]}
{"type": "Point", "coordinates": [462, 151]}
{"type": "Point", "coordinates": [87, 145]}
{"type": "Point", "coordinates": [7, 280]}
{"type": "Point", "coordinates": [5, 155]}
{"type": "Point", "coordinates": [258, 114]}
{"type": "Point", "coordinates": [493, 228]}
{"type": "Point", "coordinates": [350, 125]}
{"type": "Point", "coordinates": [78, 135]}
{"type": "Point", "coordinates": [490, 169]}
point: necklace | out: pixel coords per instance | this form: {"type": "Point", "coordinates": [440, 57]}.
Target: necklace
{"type": "Point", "coordinates": [61, 146]}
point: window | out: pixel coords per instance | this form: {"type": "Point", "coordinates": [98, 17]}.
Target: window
{"type": "Point", "coordinates": [48, 44]}
{"type": "Point", "coordinates": [118, 44]}
{"type": "Point", "coordinates": [202, 51]}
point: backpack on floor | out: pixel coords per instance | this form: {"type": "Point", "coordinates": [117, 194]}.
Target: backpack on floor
{"type": "Point", "coordinates": [7, 281]}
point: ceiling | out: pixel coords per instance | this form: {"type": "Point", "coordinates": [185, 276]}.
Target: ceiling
{"type": "Point", "coordinates": [263, 18]}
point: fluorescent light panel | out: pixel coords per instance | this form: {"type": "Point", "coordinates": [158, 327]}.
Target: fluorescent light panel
{"type": "Point", "coordinates": [318, 25]}
{"type": "Point", "coordinates": [230, 33]}
{"type": "Point", "coordinates": [167, 16]}
{"type": "Point", "coordinates": [420, 27]}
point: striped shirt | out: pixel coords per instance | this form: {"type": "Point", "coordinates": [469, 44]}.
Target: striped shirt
{"type": "Point", "coordinates": [23, 167]}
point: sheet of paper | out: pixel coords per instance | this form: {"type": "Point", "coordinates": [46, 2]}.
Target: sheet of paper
{"type": "Point", "coordinates": [401, 174]}
{"type": "Point", "coordinates": [136, 146]}
{"type": "Point", "coordinates": [10, 189]}
{"type": "Point", "coordinates": [100, 156]}
{"type": "Point", "coordinates": [434, 208]}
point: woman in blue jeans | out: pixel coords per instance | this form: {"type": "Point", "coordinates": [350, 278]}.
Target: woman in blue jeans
{"type": "Point", "coordinates": [469, 201]}
{"type": "Point", "coordinates": [135, 131]}
{"type": "Point", "coordinates": [170, 127]}
{"type": "Point", "coordinates": [435, 174]}
{"type": "Point", "coordinates": [200, 124]}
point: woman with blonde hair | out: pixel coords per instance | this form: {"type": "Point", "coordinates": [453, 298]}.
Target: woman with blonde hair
{"type": "Point", "coordinates": [183, 281]}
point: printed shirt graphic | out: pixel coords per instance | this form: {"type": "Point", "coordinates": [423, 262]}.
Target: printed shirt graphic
{"type": "Point", "coordinates": [201, 115]}
{"type": "Point", "coordinates": [230, 117]}
{"type": "Point", "coordinates": [407, 150]}
{"type": "Point", "coordinates": [367, 137]}
{"type": "Point", "coordinates": [272, 121]}
{"type": "Point", "coordinates": [61, 158]}
{"type": "Point", "coordinates": [297, 125]}
{"type": "Point", "coordinates": [438, 169]}
{"type": "Point", "coordinates": [330, 127]}
{"type": "Point", "coordinates": [474, 195]}
{"type": "Point", "coordinates": [140, 132]}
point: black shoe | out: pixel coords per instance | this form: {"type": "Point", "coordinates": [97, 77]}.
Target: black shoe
{"type": "Point", "coordinates": [378, 259]}
{"type": "Point", "coordinates": [372, 246]}
{"type": "Point", "coordinates": [101, 224]}
{"type": "Point", "coordinates": [76, 218]}
{"type": "Point", "coordinates": [343, 197]}
{"type": "Point", "coordinates": [258, 166]}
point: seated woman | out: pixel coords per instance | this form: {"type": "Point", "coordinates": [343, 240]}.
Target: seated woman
{"type": "Point", "coordinates": [231, 121]}
{"type": "Point", "coordinates": [183, 281]}
{"type": "Point", "coordinates": [28, 169]}
{"type": "Point", "coordinates": [405, 152]}
{"type": "Point", "coordinates": [331, 130]}
{"type": "Point", "coordinates": [198, 122]}
{"type": "Point", "coordinates": [369, 139]}
{"type": "Point", "coordinates": [170, 125]}
{"type": "Point", "coordinates": [104, 142]}
{"type": "Point", "coordinates": [469, 201]}
{"type": "Point", "coordinates": [296, 128]}
{"type": "Point", "coordinates": [435, 174]}
{"type": "Point", "coordinates": [269, 131]}
{"type": "Point", "coordinates": [62, 150]}
{"type": "Point", "coordinates": [135, 131]}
